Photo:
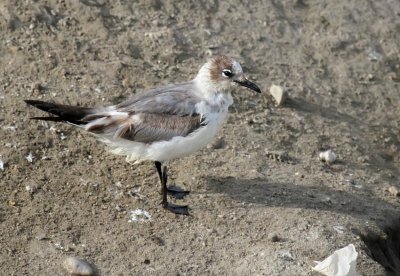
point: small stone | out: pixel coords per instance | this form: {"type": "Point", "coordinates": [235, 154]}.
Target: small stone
{"type": "Point", "coordinates": [327, 156]}
{"type": "Point", "coordinates": [374, 55]}
{"type": "Point", "coordinates": [30, 189]}
{"type": "Point", "coordinates": [273, 237]}
{"type": "Point", "coordinates": [279, 94]}
{"type": "Point", "coordinates": [339, 229]}
{"type": "Point", "coordinates": [216, 144]}
{"type": "Point", "coordinates": [363, 159]}
{"type": "Point", "coordinates": [41, 236]}
{"type": "Point", "coordinates": [119, 208]}
{"type": "Point", "coordinates": [126, 83]}
{"type": "Point", "coordinates": [29, 157]}
{"type": "Point", "coordinates": [394, 77]}
{"type": "Point", "coordinates": [12, 203]}
{"type": "Point", "coordinates": [76, 266]}
{"type": "Point", "coordinates": [37, 88]}
{"type": "Point", "coordinates": [157, 240]}
{"type": "Point", "coordinates": [393, 191]}
{"type": "Point", "coordinates": [139, 215]}
{"type": "Point", "coordinates": [286, 255]}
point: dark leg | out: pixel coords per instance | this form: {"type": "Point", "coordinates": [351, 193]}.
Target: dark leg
{"type": "Point", "coordinates": [164, 189]}
{"type": "Point", "coordinates": [176, 192]}
{"type": "Point", "coordinates": [163, 174]}
{"type": "Point", "coordinates": [158, 166]}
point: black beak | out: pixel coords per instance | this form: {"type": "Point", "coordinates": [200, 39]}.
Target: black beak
{"type": "Point", "coordinates": [248, 84]}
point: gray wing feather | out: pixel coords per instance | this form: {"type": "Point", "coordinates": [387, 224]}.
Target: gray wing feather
{"type": "Point", "coordinates": [165, 112]}
{"type": "Point", "coordinates": [151, 128]}
{"type": "Point", "coordinates": [174, 99]}
{"type": "Point", "coordinates": [162, 128]}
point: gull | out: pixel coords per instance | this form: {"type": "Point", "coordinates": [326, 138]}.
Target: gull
{"type": "Point", "coordinates": [164, 123]}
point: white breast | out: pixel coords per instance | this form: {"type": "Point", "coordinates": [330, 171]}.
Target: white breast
{"type": "Point", "coordinates": [214, 116]}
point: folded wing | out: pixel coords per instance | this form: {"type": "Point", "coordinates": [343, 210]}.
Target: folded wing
{"type": "Point", "coordinates": [155, 115]}
{"type": "Point", "coordinates": [144, 127]}
{"type": "Point", "coordinates": [158, 114]}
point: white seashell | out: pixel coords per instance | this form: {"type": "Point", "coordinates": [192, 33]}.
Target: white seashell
{"type": "Point", "coordinates": [76, 266]}
{"type": "Point", "coordinates": [327, 156]}
{"type": "Point", "coordinates": [30, 157]}
{"type": "Point", "coordinates": [139, 215]}
{"type": "Point", "coordinates": [279, 94]}
{"type": "Point", "coordinates": [394, 191]}
{"type": "Point", "coordinates": [341, 263]}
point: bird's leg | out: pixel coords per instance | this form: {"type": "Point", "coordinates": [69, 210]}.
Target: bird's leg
{"type": "Point", "coordinates": [176, 192]}
{"type": "Point", "coordinates": [158, 167]}
{"type": "Point", "coordinates": [164, 189]}
{"type": "Point", "coordinates": [177, 209]}
{"type": "Point", "coordinates": [163, 174]}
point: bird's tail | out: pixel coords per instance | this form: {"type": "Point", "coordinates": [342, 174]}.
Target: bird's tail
{"type": "Point", "coordinates": [63, 113]}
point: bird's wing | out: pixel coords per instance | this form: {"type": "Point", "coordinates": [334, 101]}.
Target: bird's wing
{"type": "Point", "coordinates": [175, 99]}
{"type": "Point", "coordinates": [156, 115]}
{"type": "Point", "coordinates": [144, 127]}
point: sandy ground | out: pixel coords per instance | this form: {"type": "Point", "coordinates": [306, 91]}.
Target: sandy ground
{"type": "Point", "coordinates": [251, 214]}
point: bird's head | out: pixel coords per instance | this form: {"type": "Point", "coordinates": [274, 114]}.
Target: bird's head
{"type": "Point", "coordinates": [221, 73]}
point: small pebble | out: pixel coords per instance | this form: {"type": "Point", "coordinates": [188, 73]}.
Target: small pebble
{"type": "Point", "coordinates": [286, 255]}
{"type": "Point", "coordinates": [216, 144]}
{"type": "Point", "coordinates": [339, 229]}
{"type": "Point", "coordinates": [119, 208]}
{"type": "Point", "coordinates": [394, 191]}
{"type": "Point", "coordinates": [126, 83]}
{"type": "Point", "coordinates": [139, 215]}
{"type": "Point", "coordinates": [40, 236]}
{"type": "Point", "coordinates": [1, 165]}
{"type": "Point", "coordinates": [30, 157]}
{"type": "Point", "coordinates": [395, 78]}
{"type": "Point", "coordinates": [37, 86]}
{"type": "Point", "coordinates": [76, 266]}
{"type": "Point", "coordinates": [29, 189]}
{"type": "Point", "coordinates": [279, 94]}
{"type": "Point", "coordinates": [32, 187]}
{"type": "Point", "coordinates": [273, 237]}
{"type": "Point", "coordinates": [327, 156]}
{"type": "Point", "coordinates": [157, 240]}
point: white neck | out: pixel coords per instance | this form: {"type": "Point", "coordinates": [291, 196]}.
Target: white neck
{"type": "Point", "coordinates": [208, 89]}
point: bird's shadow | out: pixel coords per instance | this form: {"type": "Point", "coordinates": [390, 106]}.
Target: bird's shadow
{"type": "Point", "coordinates": [383, 249]}
{"type": "Point", "coordinates": [379, 158]}
{"type": "Point", "coordinates": [280, 194]}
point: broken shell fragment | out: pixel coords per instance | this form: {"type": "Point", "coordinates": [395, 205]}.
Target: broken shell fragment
{"type": "Point", "coordinates": [279, 94]}
{"type": "Point", "coordinates": [76, 266]}
{"type": "Point", "coordinates": [341, 262]}
{"type": "Point", "coordinates": [327, 156]}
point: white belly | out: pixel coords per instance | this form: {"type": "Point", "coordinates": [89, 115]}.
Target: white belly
{"type": "Point", "coordinates": [181, 146]}
{"type": "Point", "coordinates": [178, 146]}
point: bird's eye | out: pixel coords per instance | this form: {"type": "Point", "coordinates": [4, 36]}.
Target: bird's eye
{"type": "Point", "coordinates": [227, 73]}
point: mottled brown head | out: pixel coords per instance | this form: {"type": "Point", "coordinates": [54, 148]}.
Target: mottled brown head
{"type": "Point", "coordinates": [222, 72]}
{"type": "Point", "coordinates": [221, 68]}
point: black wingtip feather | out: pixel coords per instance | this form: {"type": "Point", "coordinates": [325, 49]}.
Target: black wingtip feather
{"type": "Point", "coordinates": [54, 119]}
{"type": "Point", "coordinates": [65, 113]}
